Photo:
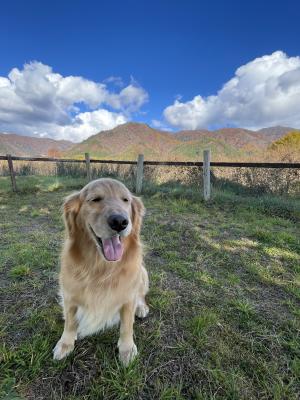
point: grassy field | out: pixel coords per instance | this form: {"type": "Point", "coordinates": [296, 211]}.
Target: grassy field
{"type": "Point", "coordinates": [224, 301]}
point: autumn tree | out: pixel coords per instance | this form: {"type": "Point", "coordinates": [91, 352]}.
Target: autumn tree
{"type": "Point", "coordinates": [287, 148]}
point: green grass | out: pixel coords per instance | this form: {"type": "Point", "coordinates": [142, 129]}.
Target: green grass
{"type": "Point", "coordinates": [19, 271]}
{"type": "Point", "coordinates": [224, 300]}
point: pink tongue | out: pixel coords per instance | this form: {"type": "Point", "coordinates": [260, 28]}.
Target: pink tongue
{"type": "Point", "coordinates": [113, 248]}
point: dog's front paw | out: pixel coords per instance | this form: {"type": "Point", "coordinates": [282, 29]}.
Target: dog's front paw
{"type": "Point", "coordinates": [142, 310]}
{"type": "Point", "coordinates": [62, 349]}
{"type": "Point", "coordinates": [126, 355]}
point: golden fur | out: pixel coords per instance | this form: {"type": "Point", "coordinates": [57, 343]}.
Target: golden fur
{"type": "Point", "coordinates": [97, 293]}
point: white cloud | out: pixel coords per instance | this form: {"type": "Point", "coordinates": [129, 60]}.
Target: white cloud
{"type": "Point", "coordinates": [131, 98]}
{"type": "Point", "coordinates": [37, 101]}
{"type": "Point", "coordinates": [263, 92]}
{"type": "Point", "coordinates": [90, 123]}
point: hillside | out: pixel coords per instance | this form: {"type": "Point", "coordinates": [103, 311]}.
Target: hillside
{"type": "Point", "coordinates": [237, 137]}
{"type": "Point", "coordinates": [276, 132]}
{"type": "Point", "coordinates": [18, 145]}
{"type": "Point", "coordinates": [126, 141]}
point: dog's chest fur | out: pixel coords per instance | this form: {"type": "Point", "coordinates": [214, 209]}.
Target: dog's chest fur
{"type": "Point", "coordinates": [100, 297]}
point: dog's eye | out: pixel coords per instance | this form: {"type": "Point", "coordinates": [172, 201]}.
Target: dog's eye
{"type": "Point", "coordinates": [97, 199]}
{"type": "Point", "coordinates": [125, 199]}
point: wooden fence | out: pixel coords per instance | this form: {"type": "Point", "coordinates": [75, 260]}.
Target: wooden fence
{"type": "Point", "coordinates": [206, 164]}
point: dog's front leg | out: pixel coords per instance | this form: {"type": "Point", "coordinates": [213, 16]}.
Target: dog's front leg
{"type": "Point", "coordinates": [127, 347]}
{"type": "Point", "coordinates": [66, 343]}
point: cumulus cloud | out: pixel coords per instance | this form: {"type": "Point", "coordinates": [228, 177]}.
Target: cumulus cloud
{"type": "Point", "coordinates": [37, 101]}
{"type": "Point", "coordinates": [89, 123]}
{"type": "Point", "coordinates": [263, 92]}
{"type": "Point", "coordinates": [131, 98]}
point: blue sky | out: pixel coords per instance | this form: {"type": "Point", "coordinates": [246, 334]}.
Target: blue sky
{"type": "Point", "coordinates": [162, 51]}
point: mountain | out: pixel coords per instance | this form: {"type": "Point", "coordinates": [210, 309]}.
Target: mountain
{"type": "Point", "coordinates": [187, 136]}
{"type": "Point", "coordinates": [276, 132]}
{"type": "Point", "coordinates": [236, 137]}
{"type": "Point", "coordinates": [126, 141]}
{"type": "Point", "coordinates": [18, 145]}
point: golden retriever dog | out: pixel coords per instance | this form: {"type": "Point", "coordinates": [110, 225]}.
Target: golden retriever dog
{"type": "Point", "coordinates": [102, 280]}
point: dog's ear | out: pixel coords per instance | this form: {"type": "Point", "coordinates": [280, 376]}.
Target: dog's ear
{"type": "Point", "coordinates": [138, 211]}
{"type": "Point", "coordinates": [71, 209]}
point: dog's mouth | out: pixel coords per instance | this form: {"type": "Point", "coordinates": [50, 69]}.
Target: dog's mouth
{"type": "Point", "coordinates": [111, 248]}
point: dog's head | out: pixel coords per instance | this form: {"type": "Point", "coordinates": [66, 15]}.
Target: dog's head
{"type": "Point", "coordinates": [107, 211]}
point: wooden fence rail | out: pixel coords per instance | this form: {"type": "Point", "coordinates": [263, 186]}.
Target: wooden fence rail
{"type": "Point", "coordinates": [206, 164]}
{"type": "Point", "coordinates": [163, 163]}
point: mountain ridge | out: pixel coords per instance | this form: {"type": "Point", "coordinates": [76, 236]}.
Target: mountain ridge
{"type": "Point", "coordinates": [21, 145]}
{"type": "Point", "coordinates": [126, 141]}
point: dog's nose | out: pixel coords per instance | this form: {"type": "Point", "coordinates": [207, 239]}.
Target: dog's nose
{"type": "Point", "coordinates": [117, 222]}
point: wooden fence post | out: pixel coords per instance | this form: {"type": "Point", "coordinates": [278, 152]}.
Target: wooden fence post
{"type": "Point", "coordinates": [206, 174]}
{"type": "Point", "coordinates": [139, 173]}
{"type": "Point", "coordinates": [12, 172]}
{"type": "Point", "coordinates": [88, 166]}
